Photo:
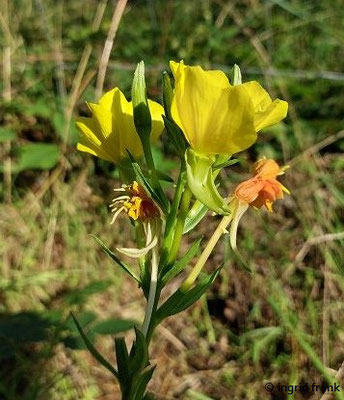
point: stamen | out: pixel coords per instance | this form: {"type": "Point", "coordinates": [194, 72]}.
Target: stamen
{"type": "Point", "coordinates": [117, 214]}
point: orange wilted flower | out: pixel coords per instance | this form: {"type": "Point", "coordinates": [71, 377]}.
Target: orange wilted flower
{"type": "Point", "coordinates": [263, 189]}
{"type": "Point", "coordinates": [260, 190]}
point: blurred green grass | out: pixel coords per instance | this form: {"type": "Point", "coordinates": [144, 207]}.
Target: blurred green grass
{"type": "Point", "coordinates": [251, 329]}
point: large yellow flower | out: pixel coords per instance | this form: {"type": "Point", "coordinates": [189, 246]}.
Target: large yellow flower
{"type": "Point", "coordinates": [216, 117]}
{"type": "Point", "coordinates": [110, 132]}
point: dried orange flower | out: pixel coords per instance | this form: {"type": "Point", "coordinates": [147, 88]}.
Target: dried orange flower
{"type": "Point", "coordinates": [263, 189]}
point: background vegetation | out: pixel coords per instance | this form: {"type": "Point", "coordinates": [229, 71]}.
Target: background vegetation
{"type": "Point", "coordinates": [285, 323]}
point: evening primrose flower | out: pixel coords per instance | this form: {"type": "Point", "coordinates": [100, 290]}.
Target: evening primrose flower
{"type": "Point", "coordinates": [110, 131]}
{"type": "Point", "coordinates": [138, 206]}
{"type": "Point", "coordinates": [263, 189]}
{"type": "Point", "coordinates": [216, 117]}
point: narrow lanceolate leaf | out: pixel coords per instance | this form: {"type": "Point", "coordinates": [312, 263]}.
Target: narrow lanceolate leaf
{"type": "Point", "coordinates": [195, 216]}
{"type": "Point", "coordinates": [138, 353]}
{"type": "Point", "coordinates": [116, 259]}
{"type": "Point", "coordinates": [93, 350]}
{"type": "Point", "coordinates": [122, 361]}
{"type": "Point", "coordinates": [180, 300]}
{"type": "Point", "coordinates": [182, 263]}
{"type": "Point", "coordinates": [142, 383]}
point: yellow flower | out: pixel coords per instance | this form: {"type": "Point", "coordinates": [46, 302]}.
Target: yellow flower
{"type": "Point", "coordinates": [111, 130]}
{"type": "Point", "coordinates": [216, 117]}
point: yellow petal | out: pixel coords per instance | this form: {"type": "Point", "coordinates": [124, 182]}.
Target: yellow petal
{"type": "Point", "coordinates": [124, 128]}
{"type": "Point", "coordinates": [216, 77]}
{"type": "Point", "coordinates": [106, 100]}
{"type": "Point", "coordinates": [157, 111]}
{"type": "Point", "coordinates": [103, 118]}
{"type": "Point", "coordinates": [215, 119]}
{"type": "Point", "coordinates": [267, 112]}
{"type": "Point", "coordinates": [89, 139]}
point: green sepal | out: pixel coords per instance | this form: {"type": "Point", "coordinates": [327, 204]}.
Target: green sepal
{"type": "Point", "coordinates": [180, 300]}
{"type": "Point", "coordinates": [122, 363]}
{"type": "Point", "coordinates": [201, 181]}
{"type": "Point", "coordinates": [169, 272]}
{"type": "Point", "coordinates": [172, 129]}
{"type": "Point", "coordinates": [142, 116]}
{"type": "Point", "coordinates": [116, 259]}
{"type": "Point", "coordinates": [176, 135]}
{"type": "Point", "coordinates": [225, 164]}
{"type": "Point", "coordinates": [160, 199]}
{"type": "Point", "coordinates": [167, 94]}
{"type": "Point", "coordinates": [93, 350]}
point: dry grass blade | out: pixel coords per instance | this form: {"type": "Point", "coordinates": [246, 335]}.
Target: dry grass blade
{"type": "Point", "coordinates": [317, 240]}
{"type": "Point", "coordinates": [116, 19]}
{"type": "Point", "coordinates": [73, 96]}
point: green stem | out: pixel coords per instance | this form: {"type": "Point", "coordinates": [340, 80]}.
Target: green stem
{"type": "Point", "coordinates": [183, 212]}
{"type": "Point", "coordinates": [171, 218]}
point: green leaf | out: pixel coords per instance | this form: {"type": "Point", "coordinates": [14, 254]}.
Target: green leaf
{"type": "Point", "coordinates": [164, 177]}
{"type": "Point", "coordinates": [116, 259]}
{"type": "Point", "coordinates": [122, 363]}
{"type": "Point", "coordinates": [113, 326]}
{"type": "Point", "coordinates": [201, 181]}
{"type": "Point", "coordinates": [142, 383]}
{"type": "Point", "coordinates": [7, 134]}
{"type": "Point", "coordinates": [80, 296]}
{"type": "Point", "coordinates": [182, 263]}
{"type": "Point", "coordinates": [84, 319]}
{"type": "Point", "coordinates": [93, 350]}
{"type": "Point", "coordinates": [138, 353]}
{"type": "Point", "coordinates": [195, 216]}
{"type": "Point", "coordinates": [180, 300]}
{"type": "Point", "coordinates": [42, 156]}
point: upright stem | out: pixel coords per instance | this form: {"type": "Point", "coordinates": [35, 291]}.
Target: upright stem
{"type": "Point", "coordinates": [152, 291]}
{"type": "Point", "coordinates": [206, 252]}
{"type": "Point", "coordinates": [183, 212]}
